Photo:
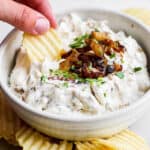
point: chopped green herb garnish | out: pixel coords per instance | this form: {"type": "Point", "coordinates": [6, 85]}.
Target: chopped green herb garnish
{"type": "Point", "coordinates": [100, 83]}
{"type": "Point", "coordinates": [113, 55]}
{"type": "Point", "coordinates": [90, 66]}
{"type": "Point", "coordinates": [89, 80]}
{"type": "Point", "coordinates": [136, 69]}
{"type": "Point", "coordinates": [122, 61]}
{"type": "Point", "coordinates": [97, 30]}
{"type": "Point", "coordinates": [120, 75]}
{"type": "Point", "coordinates": [50, 70]}
{"type": "Point", "coordinates": [105, 94]}
{"type": "Point", "coordinates": [74, 76]}
{"type": "Point", "coordinates": [64, 74]}
{"type": "Point", "coordinates": [79, 42]}
{"type": "Point", "coordinates": [81, 80]}
{"type": "Point", "coordinates": [43, 78]}
{"type": "Point", "coordinates": [100, 79]}
{"type": "Point", "coordinates": [65, 84]}
{"type": "Point", "coordinates": [73, 67]}
{"type": "Point", "coordinates": [79, 62]}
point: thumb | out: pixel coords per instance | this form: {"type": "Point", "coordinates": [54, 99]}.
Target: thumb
{"type": "Point", "coordinates": [23, 17]}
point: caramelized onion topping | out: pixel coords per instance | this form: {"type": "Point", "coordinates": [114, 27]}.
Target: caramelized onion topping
{"type": "Point", "coordinates": [90, 61]}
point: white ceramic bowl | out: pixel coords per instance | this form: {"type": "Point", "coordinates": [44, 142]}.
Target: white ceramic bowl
{"type": "Point", "coordinates": [71, 128]}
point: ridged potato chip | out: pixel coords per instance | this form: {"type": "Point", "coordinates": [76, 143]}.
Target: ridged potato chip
{"type": "Point", "coordinates": [9, 121]}
{"type": "Point", "coordinates": [64, 145]}
{"type": "Point", "coordinates": [38, 47]}
{"type": "Point", "coordinates": [91, 146]}
{"type": "Point", "coordinates": [140, 13]}
{"type": "Point", "coordinates": [126, 140]}
{"type": "Point", "coordinates": [30, 139]}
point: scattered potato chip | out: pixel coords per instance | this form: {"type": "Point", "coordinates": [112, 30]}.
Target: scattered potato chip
{"type": "Point", "coordinates": [40, 46]}
{"type": "Point", "coordinates": [90, 146]}
{"type": "Point", "coordinates": [30, 139]}
{"type": "Point", "coordinates": [64, 145]}
{"type": "Point", "coordinates": [126, 140]}
{"type": "Point", "coordinates": [140, 13]}
{"type": "Point", "coordinates": [9, 121]}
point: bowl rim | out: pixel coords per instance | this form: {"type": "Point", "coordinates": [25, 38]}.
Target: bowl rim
{"type": "Point", "coordinates": [107, 116]}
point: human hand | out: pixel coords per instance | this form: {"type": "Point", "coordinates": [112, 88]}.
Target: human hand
{"type": "Point", "coordinates": [32, 16]}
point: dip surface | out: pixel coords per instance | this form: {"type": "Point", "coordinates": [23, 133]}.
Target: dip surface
{"type": "Point", "coordinates": [50, 87]}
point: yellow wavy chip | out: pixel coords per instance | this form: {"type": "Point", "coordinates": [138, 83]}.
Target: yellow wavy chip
{"type": "Point", "coordinates": [90, 146]}
{"type": "Point", "coordinates": [64, 145]}
{"type": "Point", "coordinates": [126, 140]}
{"type": "Point", "coordinates": [140, 13]}
{"type": "Point", "coordinates": [30, 139]}
{"type": "Point", "coordinates": [9, 121]}
{"type": "Point", "coordinates": [38, 47]}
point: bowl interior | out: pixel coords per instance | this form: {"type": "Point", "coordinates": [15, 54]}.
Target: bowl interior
{"type": "Point", "coordinates": [116, 21]}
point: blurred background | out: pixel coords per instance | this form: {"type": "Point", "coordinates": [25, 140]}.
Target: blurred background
{"type": "Point", "coordinates": [64, 4]}
{"type": "Point", "coordinates": [142, 126]}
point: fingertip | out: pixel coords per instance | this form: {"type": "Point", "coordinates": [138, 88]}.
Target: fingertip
{"type": "Point", "coordinates": [42, 25]}
{"type": "Point", "coordinates": [53, 21]}
{"type": "Point", "coordinates": [54, 25]}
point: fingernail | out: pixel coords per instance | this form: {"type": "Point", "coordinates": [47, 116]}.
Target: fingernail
{"type": "Point", "coordinates": [42, 25]}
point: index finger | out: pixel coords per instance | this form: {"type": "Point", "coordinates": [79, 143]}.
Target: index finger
{"type": "Point", "coordinates": [44, 7]}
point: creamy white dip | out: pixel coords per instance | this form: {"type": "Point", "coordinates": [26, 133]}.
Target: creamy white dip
{"type": "Point", "coordinates": [84, 99]}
